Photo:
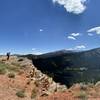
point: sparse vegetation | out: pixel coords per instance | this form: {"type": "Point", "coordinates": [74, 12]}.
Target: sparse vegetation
{"type": "Point", "coordinates": [20, 59]}
{"type": "Point", "coordinates": [22, 66]}
{"type": "Point", "coordinates": [21, 93]}
{"type": "Point", "coordinates": [16, 64]}
{"type": "Point", "coordinates": [2, 70]}
{"type": "Point", "coordinates": [13, 68]}
{"type": "Point", "coordinates": [22, 70]}
{"type": "Point", "coordinates": [83, 87]}
{"type": "Point", "coordinates": [33, 94]}
{"type": "Point", "coordinates": [82, 95]}
{"type": "Point", "coordinates": [90, 85]}
{"type": "Point", "coordinates": [11, 75]}
{"type": "Point", "coordinates": [7, 68]}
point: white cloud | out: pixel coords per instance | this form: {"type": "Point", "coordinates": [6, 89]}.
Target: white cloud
{"type": "Point", "coordinates": [71, 37]}
{"type": "Point", "coordinates": [80, 47]}
{"type": "Point", "coordinates": [75, 34]}
{"type": "Point", "coordinates": [36, 52]}
{"type": "Point", "coordinates": [41, 30]}
{"type": "Point", "coordinates": [69, 49]}
{"type": "Point", "coordinates": [33, 49]}
{"type": "Point", "coordinates": [95, 29]}
{"type": "Point", "coordinates": [90, 34]}
{"type": "Point", "coordinates": [72, 6]}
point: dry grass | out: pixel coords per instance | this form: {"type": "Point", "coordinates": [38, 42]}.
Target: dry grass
{"type": "Point", "coordinates": [82, 95]}
{"type": "Point", "coordinates": [21, 93]}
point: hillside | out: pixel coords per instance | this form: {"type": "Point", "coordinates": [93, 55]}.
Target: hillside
{"type": "Point", "coordinates": [21, 80]}
{"type": "Point", "coordinates": [68, 67]}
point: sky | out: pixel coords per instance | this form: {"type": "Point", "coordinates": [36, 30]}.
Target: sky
{"type": "Point", "coordinates": [40, 26]}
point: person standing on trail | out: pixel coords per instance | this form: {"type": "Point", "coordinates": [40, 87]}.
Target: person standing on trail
{"type": "Point", "coordinates": [8, 55]}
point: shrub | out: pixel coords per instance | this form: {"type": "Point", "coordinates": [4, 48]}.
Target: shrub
{"type": "Point", "coordinates": [83, 87]}
{"type": "Point", "coordinates": [20, 72]}
{"type": "Point", "coordinates": [16, 64]}
{"type": "Point", "coordinates": [2, 70]}
{"type": "Point", "coordinates": [34, 93]}
{"type": "Point", "coordinates": [90, 85]}
{"type": "Point", "coordinates": [21, 94]}
{"type": "Point", "coordinates": [20, 59]}
{"type": "Point", "coordinates": [11, 75]}
{"type": "Point", "coordinates": [13, 68]}
{"type": "Point", "coordinates": [82, 95]}
{"type": "Point", "coordinates": [4, 67]}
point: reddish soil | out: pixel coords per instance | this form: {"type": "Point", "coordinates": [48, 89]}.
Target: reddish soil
{"type": "Point", "coordinates": [9, 87]}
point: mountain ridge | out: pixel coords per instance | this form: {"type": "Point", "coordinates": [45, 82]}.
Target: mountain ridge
{"type": "Point", "coordinates": [67, 66]}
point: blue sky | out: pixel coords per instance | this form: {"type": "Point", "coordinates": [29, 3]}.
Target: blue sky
{"type": "Point", "coordinates": [39, 26]}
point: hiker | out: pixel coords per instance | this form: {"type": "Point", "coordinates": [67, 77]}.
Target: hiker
{"type": "Point", "coordinates": [8, 55]}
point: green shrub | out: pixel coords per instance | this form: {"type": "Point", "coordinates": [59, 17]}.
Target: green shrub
{"type": "Point", "coordinates": [21, 94]}
{"type": "Point", "coordinates": [11, 75]}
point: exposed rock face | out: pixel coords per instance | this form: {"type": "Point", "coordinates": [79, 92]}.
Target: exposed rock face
{"type": "Point", "coordinates": [97, 84]}
{"type": "Point", "coordinates": [45, 83]}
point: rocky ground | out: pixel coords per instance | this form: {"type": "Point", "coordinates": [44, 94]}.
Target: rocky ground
{"type": "Point", "coordinates": [20, 80]}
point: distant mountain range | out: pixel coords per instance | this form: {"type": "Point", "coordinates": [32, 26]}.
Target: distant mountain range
{"type": "Point", "coordinates": [68, 67]}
